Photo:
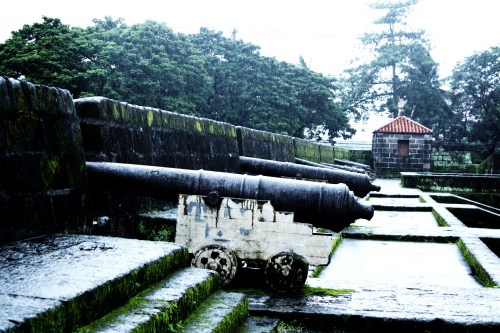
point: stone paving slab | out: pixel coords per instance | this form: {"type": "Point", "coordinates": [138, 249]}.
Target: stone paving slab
{"type": "Point", "coordinates": [55, 283]}
{"type": "Point", "coordinates": [259, 325]}
{"type": "Point", "coordinates": [161, 307]}
{"type": "Point", "coordinates": [223, 312]}
{"type": "Point", "coordinates": [414, 267]}
{"type": "Point", "coordinates": [389, 308]}
{"type": "Point", "coordinates": [358, 264]}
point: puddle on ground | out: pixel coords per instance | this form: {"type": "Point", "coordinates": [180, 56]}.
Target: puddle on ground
{"type": "Point", "coordinates": [370, 263]}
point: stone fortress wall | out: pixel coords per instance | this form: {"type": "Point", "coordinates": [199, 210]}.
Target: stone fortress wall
{"type": "Point", "coordinates": [46, 137]}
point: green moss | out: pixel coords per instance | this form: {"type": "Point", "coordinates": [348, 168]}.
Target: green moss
{"type": "Point", "coordinates": [165, 233]}
{"type": "Point", "coordinates": [127, 113]}
{"type": "Point", "coordinates": [292, 326]}
{"type": "Point", "coordinates": [116, 114]}
{"type": "Point", "coordinates": [318, 291]}
{"type": "Point", "coordinates": [49, 167]}
{"type": "Point", "coordinates": [335, 244]}
{"type": "Point", "coordinates": [101, 300]}
{"type": "Point", "coordinates": [163, 315]}
{"type": "Point", "coordinates": [198, 126]}
{"type": "Point", "coordinates": [478, 270]}
{"type": "Point", "coordinates": [21, 134]}
{"type": "Point", "coordinates": [440, 220]}
{"type": "Point", "coordinates": [150, 117]}
{"type": "Point", "coordinates": [234, 319]}
{"type": "Point", "coordinates": [52, 320]}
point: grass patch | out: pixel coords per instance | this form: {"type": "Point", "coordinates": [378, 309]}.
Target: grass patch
{"type": "Point", "coordinates": [318, 291]}
{"type": "Point", "coordinates": [442, 222]}
{"type": "Point", "coordinates": [479, 272]}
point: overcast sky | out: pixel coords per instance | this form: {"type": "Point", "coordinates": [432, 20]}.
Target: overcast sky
{"type": "Point", "coordinates": [324, 32]}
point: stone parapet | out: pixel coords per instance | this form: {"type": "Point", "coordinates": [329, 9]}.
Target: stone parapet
{"type": "Point", "coordinates": [42, 166]}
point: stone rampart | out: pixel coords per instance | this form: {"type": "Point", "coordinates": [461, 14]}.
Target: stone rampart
{"type": "Point", "coordinates": [42, 165]}
{"type": "Point", "coordinates": [120, 132]}
{"type": "Point", "coordinates": [46, 137]}
{"type": "Point", "coordinates": [265, 145]}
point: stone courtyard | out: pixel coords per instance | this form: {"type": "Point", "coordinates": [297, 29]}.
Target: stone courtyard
{"type": "Point", "coordinates": [414, 267]}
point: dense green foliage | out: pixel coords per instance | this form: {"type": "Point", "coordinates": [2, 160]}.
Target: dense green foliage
{"type": "Point", "coordinates": [475, 85]}
{"type": "Point", "coordinates": [402, 77]}
{"type": "Point", "coordinates": [216, 77]}
{"type": "Point", "coordinates": [204, 74]}
{"type": "Point", "coordinates": [49, 52]}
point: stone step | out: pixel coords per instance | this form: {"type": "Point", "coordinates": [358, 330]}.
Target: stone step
{"type": "Point", "coordinates": [223, 312]}
{"type": "Point", "coordinates": [259, 325]}
{"type": "Point", "coordinates": [161, 307]}
{"type": "Point", "coordinates": [57, 283]}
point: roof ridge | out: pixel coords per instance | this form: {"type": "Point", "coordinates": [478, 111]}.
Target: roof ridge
{"type": "Point", "coordinates": [403, 124]}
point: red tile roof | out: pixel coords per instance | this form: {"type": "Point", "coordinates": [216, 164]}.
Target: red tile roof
{"type": "Point", "coordinates": [403, 125]}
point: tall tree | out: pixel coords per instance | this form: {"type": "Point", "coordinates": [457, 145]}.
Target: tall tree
{"type": "Point", "coordinates": [204, 74]}
{"type": "Point", "coordinates": [475, 85]}
{"type": "Point", "coordinates": [263, 93]}
{"type": "Point", "coordinates": [49, 53]}
{"type": "Point", "coordinates": [402, 78]}
{"type": "Point", "coordinates": [148, 64]}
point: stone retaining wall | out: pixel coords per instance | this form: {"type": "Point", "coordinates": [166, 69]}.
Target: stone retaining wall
{"type": "Point", "coordinates": [265, 145]}
{"type": "Point", "coordinates": [42, 165]}
{"type": "Point", "coordinates": [46, 137]}
{"type": "Point", "coordinates": [120, 132]}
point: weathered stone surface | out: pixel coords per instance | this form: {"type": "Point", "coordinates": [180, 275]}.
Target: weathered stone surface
{"type": "Point", "coordinates": [56, 283]}
{"type": "Point", "coordinates": [42, 173]}
{"type": "Point", "coordinates": [121, 132]}
{"type": "Point", "coordinates": [409, 309]}
{"type": "Point", "coordinates": [223, 312]}
{"type": "Point", "coordinates": [259, 325]}
{"type": "Point", "coordinates": [410, 270]}
{"type": "Point", "coordinates": [260, 144]}
{"type": "Point", "coordinates": [162, 307]}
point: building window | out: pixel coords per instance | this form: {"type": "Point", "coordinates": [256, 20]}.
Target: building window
{"type": "Point", "coordinates": [404, 147]}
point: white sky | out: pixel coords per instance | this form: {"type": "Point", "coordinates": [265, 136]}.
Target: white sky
{"type": "Point", "coordinates": [324, 32]}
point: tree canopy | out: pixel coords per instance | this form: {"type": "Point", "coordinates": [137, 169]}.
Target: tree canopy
{"type": "Point", "coordinates": [475, 85]}
{"type": "Point", "coordinates": [212, 76]}
{"type": "Point", "coordinates": [401, 78]}
{"type": "Point", "coordinates": [203, 74]}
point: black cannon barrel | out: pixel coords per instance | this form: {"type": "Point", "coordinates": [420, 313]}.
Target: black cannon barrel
{"type": "Point", "coordinates": [330, 166]}
{"type": "Point", "coordinates": [353, 164]}
{"type": "Point", "coordinates": [359, 184]}
{"type": "Point", "coordinates": [330, 206]}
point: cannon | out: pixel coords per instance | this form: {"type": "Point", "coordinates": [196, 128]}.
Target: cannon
{"type": "Point", "coordinates": [228, 221]}
{"type": "Point", "coordinates": [329, 206]}
{"type": "Point", "coordinates": [359, 184]}
{"type": "Point", "coordinates": [365, 167]}
{"type": "Point", "coordinates": [329, 166]}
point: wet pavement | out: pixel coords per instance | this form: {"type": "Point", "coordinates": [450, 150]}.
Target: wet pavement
{"type": "Point", "coordinates": [63, 280]}
{"type": "Point", "coordinates": [413, 267]}
{"type": "Point", "coordinates": [417, 265]}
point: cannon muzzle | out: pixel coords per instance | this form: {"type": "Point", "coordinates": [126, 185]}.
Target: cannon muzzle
{"type": "Point", "coordinates": [330, 206]}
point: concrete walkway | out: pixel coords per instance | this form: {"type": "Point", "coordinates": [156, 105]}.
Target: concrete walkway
{"type": "Point", "coordinates": [414, 266]}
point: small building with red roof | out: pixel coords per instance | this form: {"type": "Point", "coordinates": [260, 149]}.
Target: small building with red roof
{"type": "Point", "coordinates": [402, 145]}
